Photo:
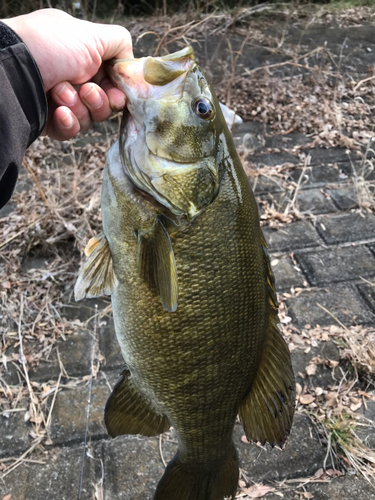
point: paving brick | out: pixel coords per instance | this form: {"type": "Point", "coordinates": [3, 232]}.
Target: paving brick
{"type": "Point", "coordinates": [286, 274]}
{"type": "Point", "coordinates": [313, 201]}
{"type": "Point", "coordinates": [7, 210]}
{"type": "Point", "coordinates": [109, 346]}
{"type": "Point", "coordinates": [75, 354]}
{"type": "Point", "coordinates": [302, 456]}
{"type": "Point", "coordinates": [272, 159]}
{"type": "Point", "coordinates": [263, 184]}
{"type": "Point", "coordinates": [133, 467]}
{"type": "Point", "coordinates": [58, 478]}
{"type": "Point", "coordinates": [69, 426]}
{"type": "Point", "coordinates": [345, 198]}
{"type": "Point", "coordinates": [324, 376]}
{"type": "Point", "coordinates": [309, 201]}
{"type": "Point", "coordinates": [300, 234]}
{"type": "Point", "coordinates": [337, 264]}
{"type": "Point", "coordinates": [341, 300]}
{"type": "Point", "coordinates": [286, 141]}
{"type": "Point", "coordinates": [345, 228]}
{"type": "Point", "coordinates": [322, 156]}
{"type": "Point", "coordinates": [316, 175]}
{"type": "Point", "coordinates": [368, 293]}
{"type": "Point", "coordinates": [14, 435]}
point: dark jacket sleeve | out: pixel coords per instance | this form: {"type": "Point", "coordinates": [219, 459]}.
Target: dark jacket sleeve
{"type": "Point", "coordinates": [23, 107]}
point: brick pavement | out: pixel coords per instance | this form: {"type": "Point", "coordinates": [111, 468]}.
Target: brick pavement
{"type": "Point", "coordinates": [325, 255]}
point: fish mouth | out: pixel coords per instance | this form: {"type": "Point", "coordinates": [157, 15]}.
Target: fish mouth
{"type": "Point", "coordinates": [151, 77]}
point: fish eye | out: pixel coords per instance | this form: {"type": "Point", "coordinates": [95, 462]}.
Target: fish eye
{"type": "Point", "coordinates": [203, 108]}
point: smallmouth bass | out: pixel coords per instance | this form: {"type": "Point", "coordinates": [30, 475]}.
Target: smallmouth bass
{"type": "Point", "coordinates": [183, 257]}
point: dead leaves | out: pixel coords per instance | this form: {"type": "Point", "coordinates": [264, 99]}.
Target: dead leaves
{"type": "Point", "coordinates": [257, 490]}
{"type": "Point", "coordinates": [306, 399]}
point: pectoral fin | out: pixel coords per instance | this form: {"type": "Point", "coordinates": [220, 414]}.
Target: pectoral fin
{"type": "Point", "coordinates": [96, 276]}
{"type": "Point", "coordinates": [128, 412]}
{"type": "Point", "coordinates": [267, 411]}
{"type": "Point", "coordinates": [157, 266]}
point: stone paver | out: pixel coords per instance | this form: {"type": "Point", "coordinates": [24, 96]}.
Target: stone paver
{"type": "Point", "coordinates": [286, 273]}
{"type": "Point", "coordinates": [313, 201]}
{"type": "Point", "coordinates": [300, 234]}
{"type": "Point", "coordinates": [57, 477]}
{"type": "Point", "coordinates": [345, 198]}
{"type": "Point", "coordinates": [337, 264]}
{"type": "Point", "coordinates": [349, 227]}
{"type": "Point", "coordinates": [368, 292]}
{"type": "Point", "coordinates": [341, 300]}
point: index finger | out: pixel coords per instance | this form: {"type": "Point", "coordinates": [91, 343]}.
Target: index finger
{"type": "Point", "coordinates": [116, 42]}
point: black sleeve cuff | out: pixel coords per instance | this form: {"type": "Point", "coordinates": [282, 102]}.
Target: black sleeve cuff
{"type": "Point", "coordinates": [8, 36]}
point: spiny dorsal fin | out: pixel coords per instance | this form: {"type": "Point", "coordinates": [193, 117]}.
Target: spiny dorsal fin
{"type": "Point", "coordinates": [128, 412]}
{"type": "Point", "coordinates": [267, 411]}
{"type": "Point", "coordinates": [157, 266]}
{"type": "Point", "coordinates": [96, 276]}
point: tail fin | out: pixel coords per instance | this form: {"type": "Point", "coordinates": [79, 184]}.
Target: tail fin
{"type": "Point", "coordinates": [186, 482]}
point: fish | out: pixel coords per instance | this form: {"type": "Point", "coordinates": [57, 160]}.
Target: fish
{"type": "Point", "coordinates": [183, 257]}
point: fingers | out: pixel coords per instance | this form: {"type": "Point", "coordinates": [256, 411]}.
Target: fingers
{"type": "Point", "coordinates": [76, 111]}
{"type": "Point", "coordinates": [96, 101]}
{"type": "Point", "coordinates": [64, 94]}
{"type": "Point", "coordinates": [62, 125]}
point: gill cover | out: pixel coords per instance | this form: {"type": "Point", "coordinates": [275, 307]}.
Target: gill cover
{"type": "Point", "coordinates": [167, 143]}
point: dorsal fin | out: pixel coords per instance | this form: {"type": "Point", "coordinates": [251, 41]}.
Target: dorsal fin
{"type": "Point", "coordinates": [157, 266]}
{"type": "Point", "coordinates": [96, 276]}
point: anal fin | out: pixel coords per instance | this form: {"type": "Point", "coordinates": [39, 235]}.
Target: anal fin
{"type": "Point", "coordinates": [128, 412]}
{"type": "Point", "coordinates": [157, 266]}
{"type": "Point", "coordinates": [96, 276]}
{"type": "Point", "coordinates": [267, 411]}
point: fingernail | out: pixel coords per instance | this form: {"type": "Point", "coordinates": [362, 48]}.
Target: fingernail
{"type": "Point", "coordinates": [120, 105]}
{"type": "Point", "coordinates": [66, 94]}
{"type": "Point", "coordinates": [67, 120]}
{"type": "Point", "coordinates": [93, 98]}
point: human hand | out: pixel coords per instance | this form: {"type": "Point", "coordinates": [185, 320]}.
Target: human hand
{"type": "Point", "coordinates": [69, 53]}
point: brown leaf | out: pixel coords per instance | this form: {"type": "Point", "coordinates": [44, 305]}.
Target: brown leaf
{"type": "Point", "coordinates": [298, 388]}
{"type": "Point", "coordinates": [307, 494]}
{"type": "Point", "coordinates": [319, 473]}
{"type": "Point", "coordinates": [297, 339]}
{"type": "Point", "coordinates": [306, 399]}
{"type": "Point", "coordinates": [311, 369]}
{"type": "Point", "coordinates": [7, 497]}
{"type": "Point", "coordinates": [258, 490]}
{"type": "Point", "coordinates": [333, 473]}
{"type": "Point", "coordinates": [355, 407]}
{"type": "Point", "coordinates": [5, 284]}
{"type": "Point", "coordinates": [331, 363]}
